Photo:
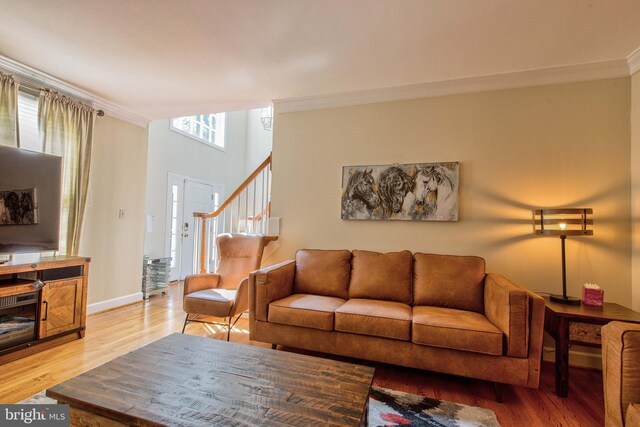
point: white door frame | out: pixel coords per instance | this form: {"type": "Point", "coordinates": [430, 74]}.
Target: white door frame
{"type": "Point", "coordinates": [174, 176]}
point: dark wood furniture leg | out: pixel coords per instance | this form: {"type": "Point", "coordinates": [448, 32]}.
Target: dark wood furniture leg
{"type": "Point", "coordinates": [273, 346]}
{"type": "Point", "coordinates": [498, 392]}
{"type": "Point", "coordinates": [562, 358]}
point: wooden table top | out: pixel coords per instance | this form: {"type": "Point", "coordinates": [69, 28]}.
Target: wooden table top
{"type": "Point", "coordinates": [193, 381]}
{"type": "Point", "coordinates": [609, 311]}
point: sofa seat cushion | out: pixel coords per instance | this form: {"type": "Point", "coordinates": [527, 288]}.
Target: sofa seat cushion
{"type": "Point", "coordinates": [310, 311]}
{"type": "Point", "coordinates": [374, 317]}
{"type": "Point", "coordinates": [215, 302]}
{"type": "Point", "coordinates": [455, 329]}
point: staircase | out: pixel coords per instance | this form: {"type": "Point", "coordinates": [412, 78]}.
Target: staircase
{"type": "Point", "coordinates": [246, 211]}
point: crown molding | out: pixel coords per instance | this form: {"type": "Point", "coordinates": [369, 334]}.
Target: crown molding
{"type": "Point", "coordinates": [634, 61]}
{"type": "Point", "coordinates": [520, 79]}
{"type": "Point", "coordinates": [30, 76]}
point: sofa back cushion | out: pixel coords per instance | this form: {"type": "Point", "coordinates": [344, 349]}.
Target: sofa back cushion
{"type": "Point", "coordinates": [381, 276]}
{"type": "Point", "coordinates": [449, 281]}
{"type": "Point", "coordinates": [322, 272]}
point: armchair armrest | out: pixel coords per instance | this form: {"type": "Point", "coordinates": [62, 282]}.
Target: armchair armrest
{"type": "Point", "coordinates": [269, 284]}
{"type": "Point", "coordinates": [506, 305]}
{"type": "Point", "coordinates": [241, 304]}
{"type": "Point", "coordinates": [620, 371]}
{"type": "Point", "coordinates": [199, 282]}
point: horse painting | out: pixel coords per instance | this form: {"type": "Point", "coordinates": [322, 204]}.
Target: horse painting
{"type": "Point", "coordinates": [393, 186]}
{"type": "Point", "coordinates": [409, 192]}
{"type": "Point", "coordinates": [435, 195]}
{"type": "Point", "coordinates": [359, 198]}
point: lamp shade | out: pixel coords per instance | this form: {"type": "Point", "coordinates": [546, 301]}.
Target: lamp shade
{"type": "Point", "coordinates": [563, 222]}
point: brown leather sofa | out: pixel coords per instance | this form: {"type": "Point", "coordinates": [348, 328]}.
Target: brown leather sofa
{"type": "Point", "coordinates": [435, 312]}
{"type": "Point", "coordinates": [621, 373]}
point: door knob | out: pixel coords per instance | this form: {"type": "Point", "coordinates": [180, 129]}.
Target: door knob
{"type": "Point", "coordinates": [185, 235]}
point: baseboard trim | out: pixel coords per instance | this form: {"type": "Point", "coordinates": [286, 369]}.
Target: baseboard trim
{"type": "Point", "coordinates": [576, 358]}
{"type": "Point", "coordinates": [110, 304]}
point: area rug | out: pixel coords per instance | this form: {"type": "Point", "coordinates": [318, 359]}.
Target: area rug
{"type": "Point", "coordinates": [394, 408]}
{"type": "Point", "coordinates": [390, 408]}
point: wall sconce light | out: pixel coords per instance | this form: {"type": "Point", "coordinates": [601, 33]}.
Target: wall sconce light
{"type": "Point", "coordinates": [563, 223]}
{"type": "Point", "coordinates": [267, 118]}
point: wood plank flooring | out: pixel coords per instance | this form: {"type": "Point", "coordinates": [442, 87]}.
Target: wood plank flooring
{"type": "Point", "coordinates": [113, 333]}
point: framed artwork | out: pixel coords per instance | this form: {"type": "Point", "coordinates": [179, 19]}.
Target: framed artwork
{"type": "Point", "coordinates": [18, 207]}
{"type": "Point", "coordinates": [408, 192]}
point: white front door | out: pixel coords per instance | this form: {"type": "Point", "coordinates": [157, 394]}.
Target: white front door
{"type": "Point", "coordinates": [184, 197]}
{"type": "Point", "coordinates": [198, 197]}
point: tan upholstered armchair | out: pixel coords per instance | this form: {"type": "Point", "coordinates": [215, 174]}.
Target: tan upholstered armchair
{"type": "Point", "coordinates": [621, 374]}
{"type": "Point", "coordinates": [224, 294]}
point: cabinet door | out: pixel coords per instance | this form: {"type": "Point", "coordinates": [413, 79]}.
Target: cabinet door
{"type": "Point", "coordinates": [60, 309]}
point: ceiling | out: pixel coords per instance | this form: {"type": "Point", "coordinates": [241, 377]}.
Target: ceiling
{"type": "Point", "coordinates": [166, 58]}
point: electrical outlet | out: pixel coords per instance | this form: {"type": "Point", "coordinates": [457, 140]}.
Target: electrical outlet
{"type": "Point", "coordinates": [121, 214]}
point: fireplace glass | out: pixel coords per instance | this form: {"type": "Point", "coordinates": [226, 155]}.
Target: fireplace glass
{"type": "Point", "coordinates": [18, 314]}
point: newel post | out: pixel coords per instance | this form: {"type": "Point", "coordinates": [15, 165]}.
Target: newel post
{"type": "Point", "coordinates": [203, 245]}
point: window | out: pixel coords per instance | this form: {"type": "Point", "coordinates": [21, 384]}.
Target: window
{"type": "Point", "coordinates": [208, 128]}
{"type": "Point", "coordinates": [28, 121]}
{"type": "Point", "coordinates": [174, 225]}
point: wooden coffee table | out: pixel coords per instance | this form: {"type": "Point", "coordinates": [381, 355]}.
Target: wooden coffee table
{"type": "Point", "coordinates": [183, 380]}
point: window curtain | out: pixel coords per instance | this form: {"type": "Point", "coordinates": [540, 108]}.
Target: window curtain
{"type": "Point", "coordinates": [66, 130]}
{"type": "Point", "coordinates": [8, 111]}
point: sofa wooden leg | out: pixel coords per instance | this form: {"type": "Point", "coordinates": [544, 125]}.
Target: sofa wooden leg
{"type": "Point", "coordinates": [497, 388]}
{"type": "Point", "coordinates": [273, 346]}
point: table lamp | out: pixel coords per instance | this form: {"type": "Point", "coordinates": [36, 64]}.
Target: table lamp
{"type": "Point", "coordinates": [563, 222]}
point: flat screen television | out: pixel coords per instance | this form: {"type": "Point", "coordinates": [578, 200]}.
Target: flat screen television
{"type": "Point", "coordinates": [30, 185]}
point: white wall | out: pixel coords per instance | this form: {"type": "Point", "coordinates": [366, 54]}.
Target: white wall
{"type": "Point", "coordinates": [117, 181]}
{"type": "Point", "coordinates": [170, 151]}
{"type": "Point", "coordinates": [258, 141]}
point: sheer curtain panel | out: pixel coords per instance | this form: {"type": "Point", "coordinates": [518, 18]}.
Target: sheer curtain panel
{"type": "Point", "coordinates": [8, 111]}
{"type": "Point", "coordinates": [66, 130]}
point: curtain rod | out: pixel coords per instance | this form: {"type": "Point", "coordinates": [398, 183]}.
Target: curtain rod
{"type": "Point", "coordinates": [99, 113]}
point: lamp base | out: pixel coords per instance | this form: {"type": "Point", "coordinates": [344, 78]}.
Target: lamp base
{"type": "Point", "coordinates": [562, 300]}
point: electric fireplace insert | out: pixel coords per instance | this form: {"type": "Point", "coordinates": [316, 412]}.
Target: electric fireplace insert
{"type": "Point", "coordinates": [18, 316]}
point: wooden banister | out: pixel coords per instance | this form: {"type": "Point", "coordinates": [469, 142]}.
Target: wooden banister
{"type": "Point", "coordinates": [240, 189]}
{"type": "Point", "coordinates": [262, 216]}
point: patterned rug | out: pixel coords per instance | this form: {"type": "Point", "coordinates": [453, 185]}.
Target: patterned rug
{"type": "Point", "coordinates": [389, 408]}
{"type": "Point", "coordinates": [394, 408]}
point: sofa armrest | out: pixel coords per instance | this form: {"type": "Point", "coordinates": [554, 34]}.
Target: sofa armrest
{"type": "Point", "coordinates": [200, 282]}
{"type": "Point", "coordinates": [269, 284]}
{"type": "Point", "coordinates": [506, 305]}
{"type": "Point", "coordinates": [620, 369]}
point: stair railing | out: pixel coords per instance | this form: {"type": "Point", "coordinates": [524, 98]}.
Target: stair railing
{"type": "Point", "coordinates": [246, 211]}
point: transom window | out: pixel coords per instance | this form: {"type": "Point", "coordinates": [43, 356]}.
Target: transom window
{"type": "Point", "coordinates": [207, 128]}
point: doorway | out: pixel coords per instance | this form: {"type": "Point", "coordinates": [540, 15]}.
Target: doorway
{"type": "Point", "coordinates": [185, 196]}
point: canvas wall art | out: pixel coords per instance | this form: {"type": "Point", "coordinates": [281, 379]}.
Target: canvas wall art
{"type": "Point", "coordinates": [18, 207]}
{"type": "Point", "coordinates": [410, 192]}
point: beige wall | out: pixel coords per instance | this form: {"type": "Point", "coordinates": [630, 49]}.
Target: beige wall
{"type": "Point", "coordinates": [635, 189]}
{"type": "Point", "coordinates": [118, 175]}
{"type": "Point", "coordinates": [560, 145]}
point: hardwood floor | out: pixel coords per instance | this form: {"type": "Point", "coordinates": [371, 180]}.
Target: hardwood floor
{"type": "Point", "coordinates": [113, 333]}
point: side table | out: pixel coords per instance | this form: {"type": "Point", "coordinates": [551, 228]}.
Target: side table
{"type": "Point", "coordinates": [570, 324]}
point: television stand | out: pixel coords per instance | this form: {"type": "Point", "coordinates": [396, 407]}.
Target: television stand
{"type": "Point", "coordinates": [47, 297]}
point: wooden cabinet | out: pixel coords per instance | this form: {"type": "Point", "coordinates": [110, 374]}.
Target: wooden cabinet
{"type": "Point", "coordinates": [59, 311]}
{"type": "Point", "coordinates": [60, 307]}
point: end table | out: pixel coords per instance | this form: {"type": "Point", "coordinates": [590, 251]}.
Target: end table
{"type": "Point", "coordinates": [570, 324]}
